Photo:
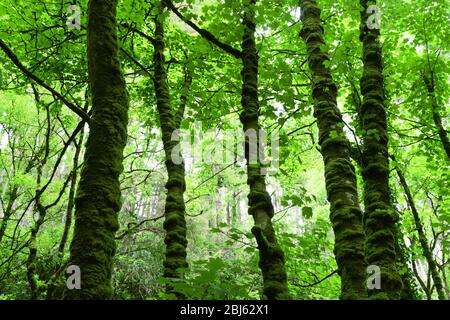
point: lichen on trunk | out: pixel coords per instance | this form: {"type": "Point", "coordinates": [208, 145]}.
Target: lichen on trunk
{"type": "Point", "coordinates": [98, 198]}
{"type": "Point", "coordinates": [340, 177]}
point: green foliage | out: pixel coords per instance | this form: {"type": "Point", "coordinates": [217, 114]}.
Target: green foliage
{"type": "Point", "coordinates": [222, 251]}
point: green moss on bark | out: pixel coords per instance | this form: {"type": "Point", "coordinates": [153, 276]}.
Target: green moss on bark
{"type": "Point", "coordinates": [271, 257]}
{"type": "Point", "coordinates": [175, 223]}
{"type": "Point", "coordinates": [98, 197]}
{"type": "Point", "coordinates": [379, 216]}
{"type": "Point", "coordinates": [340, 178]}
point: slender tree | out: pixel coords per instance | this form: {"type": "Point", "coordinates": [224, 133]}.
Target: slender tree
{"type": "Point", "coordinates": [408, 291]}
{"type": "Point", "coordinates": [340, 177]}
{"type": "Point", "coordinates": [379, 217]}
{"type": "Point", "coordinates": [71, 196]}
{"type": "Point", "coordinates": [271, 256]}
{"type": "Point", "coordinates": [437, 119]}
{"type": "Point", "coordinates": [39, 208]}
{"type": "Point", "coordinates": [170, 120]}
{"type": "Point", "coordinates": [427, 252]}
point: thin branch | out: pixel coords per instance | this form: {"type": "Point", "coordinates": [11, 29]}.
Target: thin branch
{"type": "Point", "coordinates": [317, 282]}
{"type": "Point", "coordinates": [204, 33]}
{"type": "Point", "coordinates": [83, 115]}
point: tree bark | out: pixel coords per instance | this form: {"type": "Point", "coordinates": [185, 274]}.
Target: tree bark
{"type": "Point", "coordinates": [175, 210]}
{"type": "Point", "coordinates": [379, 217]}
{"type": "Point", "coordinates": [271, 256]}
{"type": "Point", "coordinates": [98, 198]}
{"type": "Point", "coordinates": [340, 177]}
{"type": "Point", "coordinates": [13, 194]}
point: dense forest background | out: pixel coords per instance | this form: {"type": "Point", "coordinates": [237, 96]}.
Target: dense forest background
{"type": "Point", "coordinates": [233, 149]}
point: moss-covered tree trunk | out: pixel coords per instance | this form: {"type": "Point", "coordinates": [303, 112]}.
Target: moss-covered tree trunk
{"type": "Point", "coordinates": [379, 216]}
{"type": "Point", "coordinates": [175, 223]}
{"type": "Point", "coordinates": [271, 257]}
{"type": "Point", "coordinates": [444, 275]}
{"type": "Point", "coordinates": [12, 197]}
{"type": "Point", "coordinates": [408, 291]}
{"type": "Point", "coordinates": [98, 198]}
{"type": "Point", "coordinates": [422, 238]}
{"type": "Point", "coordinates": [340, 177]}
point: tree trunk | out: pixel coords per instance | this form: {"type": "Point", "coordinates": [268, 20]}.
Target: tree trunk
{"type": "Point", "coordinates": [271, 257]}
{"type": "Point", "coordinates": [422, 237]}
{"type": "Point", "coordinates": [340, 177]}
{"type": "Point", "coordinates": [98, 198]}
{"type": "Point", "coordinates": [429, 82]}
{"type": "Point", "coordinates": [379, 217]}
{"type": "Point", "coordinates": [32, 277]}
{"type": "Point", "coordinates": [175, 223]}
{"type": "Point", "coordinates": [71, 199]}
{"type": "Point", "coordinates": [13, 194]}
{"type": "Point", "coordinates": [421, 283]}
{"type": "Point", "coordinates": [444, 275]}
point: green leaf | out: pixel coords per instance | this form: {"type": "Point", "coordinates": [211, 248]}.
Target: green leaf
{"type": "Point", "coordinates": [307, 212]}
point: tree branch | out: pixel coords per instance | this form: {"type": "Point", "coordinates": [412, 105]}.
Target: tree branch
{"type": "Point", "coordinates": [83, 115]}
{"type": "Point", "coordinates": [317, 282]}
{"type": "Point", "coordinates": [204, 33]}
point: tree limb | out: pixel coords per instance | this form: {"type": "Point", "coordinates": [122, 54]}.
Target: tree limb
{"type": "Point", "coordinates": [204, 33]}
{"type": "Point", "coordinates": [83, 115]}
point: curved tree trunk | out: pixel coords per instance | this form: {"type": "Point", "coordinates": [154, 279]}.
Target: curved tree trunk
{"type": "Point", "coordinates": [271, 257]}
{"type": "Point", "coordinates": [98, 198]}
{"type": "Point", "coordinates": [340, 177]}
{"type": "Point", "coordinates": [379, 217]}
{"type": "Point", "coordinates": [175, 223]}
